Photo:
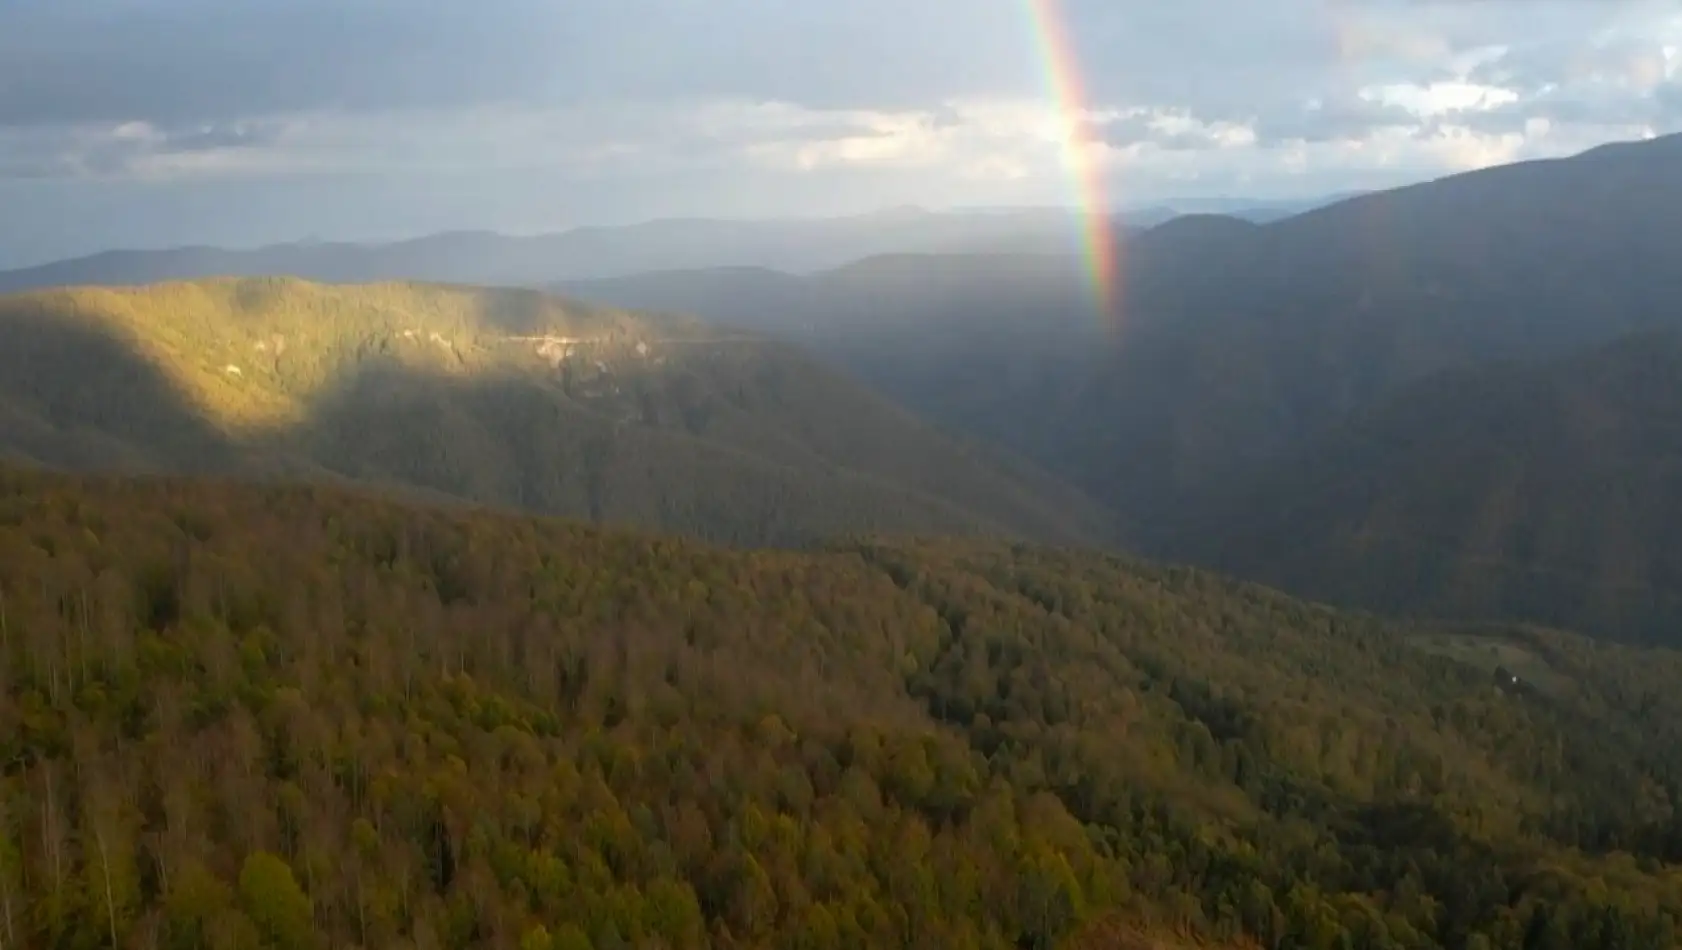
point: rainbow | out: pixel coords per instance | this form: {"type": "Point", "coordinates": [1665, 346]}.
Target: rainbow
{"type": "Point", "coordinates": [1098, 243]}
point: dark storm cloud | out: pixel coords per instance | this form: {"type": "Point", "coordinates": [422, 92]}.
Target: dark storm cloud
{"type": "Point", "coordinates": [192, 60]}
{"type": "Point", "coordinates": [195, 60]}
{"type": "Point", "coordinates": [463, 110]}
{"type": "Point", "coordinates": [185, 62]}
{"type": "Point", "coordinates": [199, 60]}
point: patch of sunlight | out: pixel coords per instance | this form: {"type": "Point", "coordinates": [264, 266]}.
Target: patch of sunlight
{"type": "Point", "coordinates": [259, 352]}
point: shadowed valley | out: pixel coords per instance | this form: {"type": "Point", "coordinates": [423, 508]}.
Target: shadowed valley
{"type": "Point", "coordinates": [1240, 345]}
{"type": "Point", "coordinates": [1550, 492]}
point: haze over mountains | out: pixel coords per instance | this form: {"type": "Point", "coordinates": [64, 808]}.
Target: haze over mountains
{"type": "Point", "coordinates": [1242, 347]}
{"type": "Point", "coordinates": [481, 257]}
{"type": "Point", "coordinates": [1241, 343]}
{"type": "Point", "coordinates": [487, 258]}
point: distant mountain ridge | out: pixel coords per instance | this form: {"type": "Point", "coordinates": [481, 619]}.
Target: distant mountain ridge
{"type": "Point", "coordinates": [1237, 340]}
{"type": "Point", "coordinates": [798, 245]}
{"type": "Point", "coordinates": [483, 257]}
{"type": "Point", "coordinates": [1240, 344]}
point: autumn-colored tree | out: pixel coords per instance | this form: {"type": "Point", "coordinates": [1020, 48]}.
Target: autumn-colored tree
{"type": "Point", "coordinates": [324, 729]}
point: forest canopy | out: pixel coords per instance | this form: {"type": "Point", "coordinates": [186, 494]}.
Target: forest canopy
{"type": "Point", "coordinates": [294, 717]}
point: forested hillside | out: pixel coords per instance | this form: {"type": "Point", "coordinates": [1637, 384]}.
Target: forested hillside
{"type": "Point", "coordinates": [505, 397]}
{"type": "Point", "coordinates": [240, 716]}
{"type": "Point", "coordinates": [1235, 344]}
{"type": "Point", "coordinates": [1548, 492]}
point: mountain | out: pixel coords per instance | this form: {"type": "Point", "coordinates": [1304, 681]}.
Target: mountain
{"type": "Point", "coordinates": [505, 397]}
{"type": "Point", "coordinates": [983, 343]}
{"type": "Point", "coordinates": [1236, 343]}
{"type": "Point", "coordinates": [237, 715]}
{"type": "Point", "coordinates": [1547, 492]}
{"type": "Point", "coordinates": [1255, 210]}
{"type": "Point", "coordinates": [478, 257]}
{"type": "Point", "coordinates": [796, 245]}
{"type": "Point", "coordinates": [1318, 315]}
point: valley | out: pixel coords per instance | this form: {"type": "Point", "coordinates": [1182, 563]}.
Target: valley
{"type": "Point", "coordinates": [1241, 347]}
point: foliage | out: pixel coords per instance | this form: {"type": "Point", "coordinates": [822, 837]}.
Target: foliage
{"type": "Point", "coordinates": [1545, 493]}
{"type": "Point", "coordinates": [496, 396]}
{"type": "Point", "coordinates": [1235, 349]}
{"type": "Point", "coordinates": [238, 716]}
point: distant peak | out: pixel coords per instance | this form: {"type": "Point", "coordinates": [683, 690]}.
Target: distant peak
{"type": "Point", "coordinates": [1203, 224]}
{"type": "Point", "coordinates": [1637, 147]}
{"type": "Point", "coordinates": [902, 211]}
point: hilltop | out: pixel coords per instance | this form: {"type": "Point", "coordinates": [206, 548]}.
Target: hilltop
{"type": "Point", "coordinates": [299, 717]}
{"type": "Point", "coordinates": [495, 396]}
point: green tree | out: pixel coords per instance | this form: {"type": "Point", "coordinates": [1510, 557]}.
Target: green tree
{"type": "Point", "coordinates": [272, 899]}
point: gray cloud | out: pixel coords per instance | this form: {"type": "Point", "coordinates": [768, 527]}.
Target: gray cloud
{"type": "Point", "coordinates": [1669, 99]}
{"type": "Point", "coordinates": [1343, 116]}
{"type": "Point", "coordinates": [34, 152]}
{"type": "Point", "coordinates": [619, 108]}
{"type": "Point", "coordinates": [219, 136]}
{"type": "Point", "coordinates": [1573, 109]}
{"type": "Point", "coordinates": [1534, 67]}
{"type": "Point", "coordinates": [199, 60]}
{"type": "Point", "coordinates": [1160, 131]}
{"type": "Point", "coordinates": [190, 60]}
{"type": "Point", "coordinates": [196, 60]}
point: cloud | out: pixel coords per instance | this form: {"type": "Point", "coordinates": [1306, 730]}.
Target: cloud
{"type": "Point", "coordinates": [1343, 117]}
{"type": "Point", "coordinates": [1668, 97]}
{"type": "Point", "coordinates": [613, 109]}
{"type": "Point", "coordinates": [1170, 130]}
{"type": "Point", "coordinates": [126, 149]}
{"type": "Point", "coordinates": [191, 60]}
{"type": "Point", "coordinates": [185, 62]}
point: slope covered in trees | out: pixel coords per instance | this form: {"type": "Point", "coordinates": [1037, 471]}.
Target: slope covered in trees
{"type": "Point", "coordinates": [1546, 492]}
{"type": "Point", "coordinates": [1236, 344]}
{"type": "Point", "coordinates": [238, 716]}
{"type": "Point", "coordinates": [507, 397]}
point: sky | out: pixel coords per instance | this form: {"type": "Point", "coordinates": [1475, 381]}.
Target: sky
{"type": "Point", "coordinates": [147, 123]}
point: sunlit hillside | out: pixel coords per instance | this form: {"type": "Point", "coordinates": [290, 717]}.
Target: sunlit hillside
{"type": "Point", "coordinates": [509, 397]}
{"type": "Point", "coordinates": [254, 353]}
